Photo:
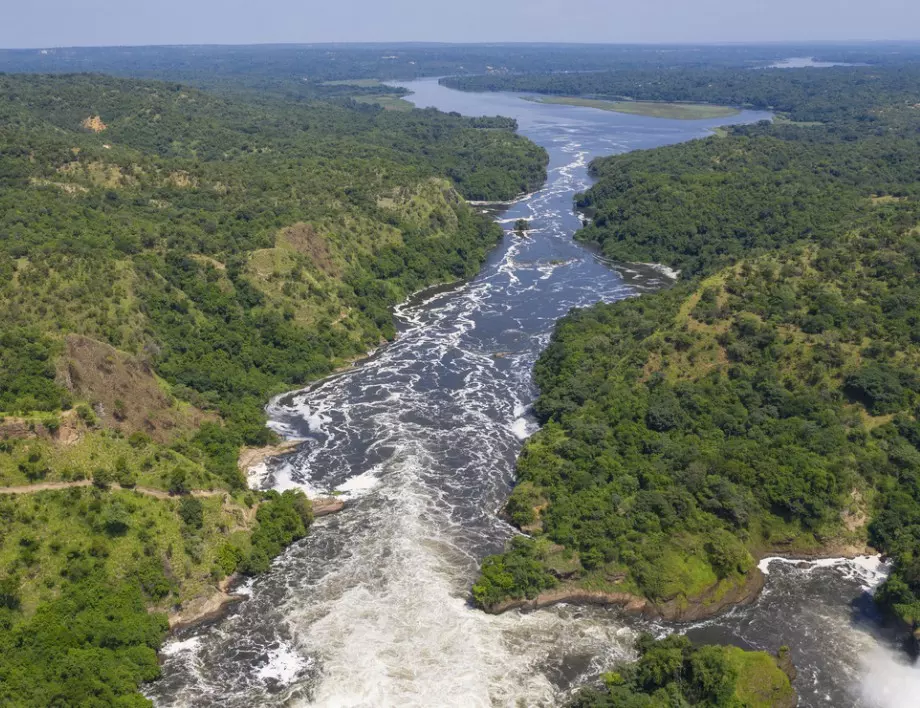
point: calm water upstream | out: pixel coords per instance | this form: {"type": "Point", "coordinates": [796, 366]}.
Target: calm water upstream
{"type": "Point", "coordinates": [372, 608]}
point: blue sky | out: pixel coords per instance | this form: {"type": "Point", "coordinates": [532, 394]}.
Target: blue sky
{"type": "Point", "coordinates": [47, 23]}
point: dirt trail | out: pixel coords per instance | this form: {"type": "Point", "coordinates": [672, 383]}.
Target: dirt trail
{"type": "Point", "coordinates": [322, 506]}
{"type": "Point", "coordinates": [149, 491]}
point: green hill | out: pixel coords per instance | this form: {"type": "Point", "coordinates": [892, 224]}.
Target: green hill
{"type": "Point", "coordinates": [235, 249]}
{"type": "Point", "coordinates": [169, 259]}
{"type": "Point", "coordinates": [767, 403]}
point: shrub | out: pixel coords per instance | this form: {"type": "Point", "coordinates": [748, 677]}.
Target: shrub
{"type": "Point", "coordinates": [881, 387]}
{"type": "Point", "coordinates": [116, 519]}
{"type": "Point", "coordinates": [9, 592]}
{"type": "Point", "coordinates": [191, 511]}
{"type": "Point", "coordinates": [178, 481]}
{"type": "Point", "coordinates": [229, 558]}
{"type": "Point", "coordinates": [139, 439]}
{"type": "Point", "coordinates": [102, 478]}
{"type": "Point", "coordinates": [86, 414]}
{"type": "Point", "coordinates": [516, 574]}
{"type": "Point", "coordinates": [283, 519]}
{"type": "Point", "coordinates": [727, 554]}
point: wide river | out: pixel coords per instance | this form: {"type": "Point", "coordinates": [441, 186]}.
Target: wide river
{"type": "Point", "coordinates": [372, 609]}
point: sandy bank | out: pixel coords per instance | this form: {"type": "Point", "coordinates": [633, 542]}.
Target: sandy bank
{"type": "Point", "coordinates": [254, 456]}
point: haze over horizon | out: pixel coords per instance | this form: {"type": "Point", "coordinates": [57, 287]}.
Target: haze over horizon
{"type": "Point", "coordinates": [63, 23]}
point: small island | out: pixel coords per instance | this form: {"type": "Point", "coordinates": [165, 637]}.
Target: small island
{"type": "Point", "coordinates": [652, 109]}
{"type": "Point", "coordinates": [674, 671]}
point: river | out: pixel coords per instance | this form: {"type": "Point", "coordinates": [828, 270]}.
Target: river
{"type": "Point", "coordinates": [372, 609]}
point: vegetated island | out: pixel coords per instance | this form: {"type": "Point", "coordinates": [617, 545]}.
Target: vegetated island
{"type": "Point", "coordinates": [170, 258]}
{"type": "Point", "coordinates": [674, 672]}
{"type": "Point", "coordinates": [804, 96]}
{"type": "Point", "coordinates": [765, 404]}
{"type": "Point", "coordinates": [652, 109]}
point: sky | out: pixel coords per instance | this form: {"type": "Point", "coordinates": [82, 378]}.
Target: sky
{"type": "Point", "coordinates": [57, 23]}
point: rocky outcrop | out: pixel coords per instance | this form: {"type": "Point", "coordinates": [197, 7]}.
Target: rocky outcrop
{"type": "Point", "coordinates": [94, 124]}
{"type": "Point", "coordinates": [207, 607]}
{"type": "Point", "coordinates": [251, 457]}
{"type": "Point", "coordinates": [574, 596]}
{"type": "Point", "coordinates": [712, 602]}
{"type": "Point", "coordinates": [324, 506]}
{"type": "Point", "coordinates": [64, 429]}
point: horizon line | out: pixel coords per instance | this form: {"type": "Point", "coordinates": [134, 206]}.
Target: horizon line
{"type": "Point", "coordinates": [424, 43]}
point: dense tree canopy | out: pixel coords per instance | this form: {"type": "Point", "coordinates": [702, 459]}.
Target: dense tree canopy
{"type": "Point", "coordinates": [200, 252]}
{"type": "Point", "coordinates": [674, 672]}
{"type": "Point", "coordinates": [239, 247]}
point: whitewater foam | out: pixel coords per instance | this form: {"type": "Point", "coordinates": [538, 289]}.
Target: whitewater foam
{"type": "Point", "coordinates": [175, 647]}
{"type": "Point", "coordinates": [871, 571]}
{"type": "Point", "coordinates": [359, 484]}
{"type": "Point", "coordinates": [522, 429]}
{"type": "Point", "coordinates": [282, 665]}
{"type": "Point", "coordinates": [889, 680]}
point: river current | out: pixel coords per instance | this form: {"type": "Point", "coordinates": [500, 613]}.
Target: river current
{"type": "Point", "coordinates": [372, 608]}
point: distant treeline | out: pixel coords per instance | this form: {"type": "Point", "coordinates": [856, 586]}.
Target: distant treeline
{"type": "Point", "coordinates": [805, 95]}
{"type": "Point", "coordinates": [301, 70]}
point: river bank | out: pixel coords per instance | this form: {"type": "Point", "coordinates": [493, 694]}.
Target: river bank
{"type": "Point", "coordinates": [653, 109]}
{"type": "Point", "coordinates": [712, 602]}
{"type": "Point", "coordinates": [220, 598]}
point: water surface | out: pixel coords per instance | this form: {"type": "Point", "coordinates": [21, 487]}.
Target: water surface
{"type": "Point", "coordinates": [808, 62]}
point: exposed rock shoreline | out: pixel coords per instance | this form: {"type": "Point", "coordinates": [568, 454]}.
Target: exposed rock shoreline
{"type": "Point", "coordinates": [219, 600]}
{"type": "Point", "coordinates": [254, 456]}
{"type": "Point", "coordinates": [711, 603]}
{"type": "Point", "coordinates": [206, 607]}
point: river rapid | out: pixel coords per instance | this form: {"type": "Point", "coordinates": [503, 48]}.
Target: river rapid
{"type": "Point", "coordinates": [372, 609]}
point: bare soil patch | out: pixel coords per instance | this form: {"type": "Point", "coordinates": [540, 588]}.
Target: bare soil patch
{"type": "Point", "coordinates": [124, 390]}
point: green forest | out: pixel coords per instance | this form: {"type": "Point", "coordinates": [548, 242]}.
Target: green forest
{"type": "Point", "coordinates": [674, 672]}
{"type": "Point", "coordinates": [237, 249]}
{"type": "Point", "coordinates": [170, 258]}
{"type": "Point", "coordinates": [767, 402]}
{"type": "Point", "coordinates": [187, 231]}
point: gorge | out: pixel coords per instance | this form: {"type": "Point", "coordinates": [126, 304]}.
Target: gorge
{"type": "Point", "coordinates": [421, 440]}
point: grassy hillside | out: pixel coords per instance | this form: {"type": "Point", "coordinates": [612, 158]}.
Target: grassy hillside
{"type": "Point", "coordinates": [168, 259]}
{"type": "Point", "coordinates": [766, 403]}
{"type": "Point", "coordinates": [231, 249]}
{"type": "Point", "coordinates": [673, 671]}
